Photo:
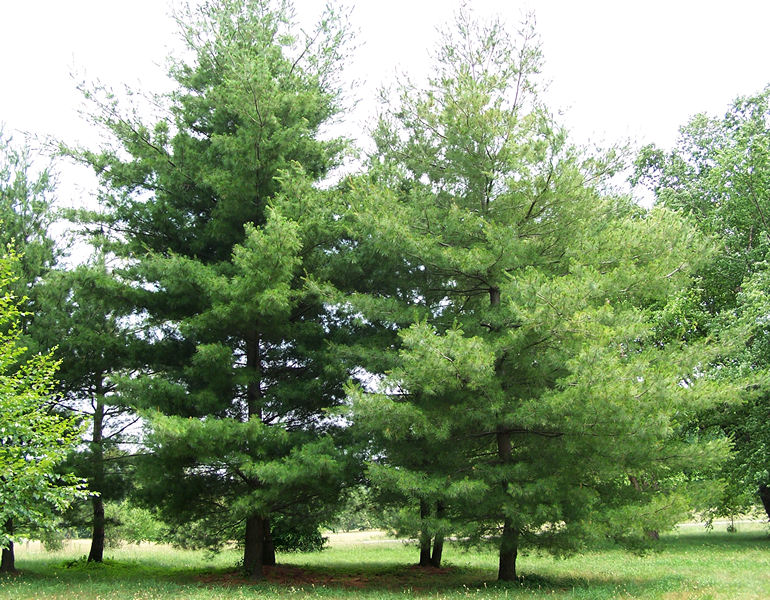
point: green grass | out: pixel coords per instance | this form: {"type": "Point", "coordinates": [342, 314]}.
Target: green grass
{"type": "Point", "coordinates": [691, 564]}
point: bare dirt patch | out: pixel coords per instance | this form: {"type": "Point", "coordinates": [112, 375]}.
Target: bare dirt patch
{"type": "Point", "coordinates": [413, 577]}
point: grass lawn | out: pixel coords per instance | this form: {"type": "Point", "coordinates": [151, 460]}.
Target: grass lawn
{"type": "Point", "coordinates": [691, 564]}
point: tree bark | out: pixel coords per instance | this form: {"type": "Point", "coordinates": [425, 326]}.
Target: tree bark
{"type": "Point", "coordinates": [254, 544]}
{"type": "Point", "coordinates": [253, 550]}
{"type": "Point", "coordinates": [509, 548]}
{"type": "Point", "coordinates": [268, 549]}
{"type": "Point", "coordinates": [509, 542]}
{"type": "Point", "coordinates": [494, 296]}
{"type": "Point", "coordinates": [438, 541]}
{"type": "Point", "coordinates": [764, 495]}
{"type": "Point", "coordinates": [96, 553]}
{"type": "Point", "coordinates": [8, 560]}
{"type": "Point", "coordinates": [425, 536]}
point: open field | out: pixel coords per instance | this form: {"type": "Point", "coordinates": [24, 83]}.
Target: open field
{"type": "Point", "coordinates": [691, 564]}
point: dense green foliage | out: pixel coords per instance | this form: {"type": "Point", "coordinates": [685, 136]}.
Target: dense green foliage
{"type": "Point", "coordinates": [474, 334]}
{"type": "Point", "coordinates": [218, 233]}
{"type": "Point", "coordinates": [718, 175]}
{"type": "Point", "coordinates": [531, 399]}
{"type": "Point", "coordinates": [26, 213]}
{"type": "Point", "coordinates": [33, 440]}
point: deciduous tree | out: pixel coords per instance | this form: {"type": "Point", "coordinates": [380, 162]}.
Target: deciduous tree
{"type": "Point", "coordinates": [718, 175]}
{"type": "Point", "coordinates": [33, 439]}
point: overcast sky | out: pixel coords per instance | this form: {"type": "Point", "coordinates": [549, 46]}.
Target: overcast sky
{"type": "Point", "coordinates": [619, 69]}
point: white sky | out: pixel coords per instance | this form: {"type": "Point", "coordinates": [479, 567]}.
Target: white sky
{"type": "Point", "coordinates": [618, 68]}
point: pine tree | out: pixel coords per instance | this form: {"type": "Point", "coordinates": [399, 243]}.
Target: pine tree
{"type": "Point", "coordinates": [219, 225]}
{"type": "Point", "coordinates": [531, 375]}
{"type": "Point", "coordinates": [27, 214]}
{"type": "Point", "coordinates": [80, 319]}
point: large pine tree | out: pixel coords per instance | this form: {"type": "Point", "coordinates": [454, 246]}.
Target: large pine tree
{"type": "Point", "coordinates": [213, 211]}
{"type": "Point", "coordinates": [533, 376]}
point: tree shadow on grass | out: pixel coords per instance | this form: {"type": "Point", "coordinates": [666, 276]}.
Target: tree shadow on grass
{"type": "Point", "coordinates": [612, 574]}
{"type": "Point", "coordinates": [460, 581]}
{"type": "Point", "coordinates": [371, 576]}
{"type": "Point", "coordinates": [699, 539]}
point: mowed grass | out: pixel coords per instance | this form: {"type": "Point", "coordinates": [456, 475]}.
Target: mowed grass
{"type": "Point", "coordinates": [690, 564]}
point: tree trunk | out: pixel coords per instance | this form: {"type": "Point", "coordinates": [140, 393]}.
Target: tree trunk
{"type": "Point", "coordinates": [253, 550]}
{"type": "Point", "coordinates": [438, 549]}
{"type": "Point", "coordinates": [764, 495]}
{"type": "Point", "coordinates": [97, 533]}
{"type": "Point", "coordinates": [509, 547]}
{"type": "Point", "coordinates": [254, 546]}
{"type": "Point", "coordinates": [509, 542]}
{"type": "Point", "coordinates": [438, 542]}
{"type": "Point", "coordinates": [425, 536]}
{"type": "Point", "coordinates": [8, 560]}
{"type": "Point", "coordinates": [268, 549]}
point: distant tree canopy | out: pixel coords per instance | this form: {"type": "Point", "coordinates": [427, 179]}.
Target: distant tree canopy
{"type": "Point", "coordinates": [719, 176]}
{"type": "Point", "coordinates": [26, 213]}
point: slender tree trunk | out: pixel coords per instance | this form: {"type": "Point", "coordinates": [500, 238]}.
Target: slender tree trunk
{"type": "Point", "coordinates": [764, 495]}
{"type": "Point", "coordinates": [254, 543]}
{"type": "Point", "coordinates": [253, 550]}
{"type": "Point", "coordinates": [509, 542]}
{"type": "Point", "coordinates": [97, 534]}
{"type": "Point", "coordinates": [268, 549]}
{"type": "Point", "coordinates": [425, 536]}
{"type": "Point", "coordinates": [438, 542]}
{"type": "Point", "coordinates": [8, 560]}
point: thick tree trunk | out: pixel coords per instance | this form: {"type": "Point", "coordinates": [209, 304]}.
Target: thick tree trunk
{"type": "Point", "coordinates": [97, 533]}
{"type": "Point", "coordinates": [438, 542]}
{"type": "Point", "coordinates": [8, 560]}
{"type": "Point", "coordinates": [253, 550]}
{"type": "Point", "coordinates": [268, 549]}
{"type": "Point", "coordinates": [764, 495]}
{"type": "Point", "coordinates": [509, 547]}
{"type": "Point", "coordinates": [509, 542]}
{"type": "Point", "coordinates": [425, 536]}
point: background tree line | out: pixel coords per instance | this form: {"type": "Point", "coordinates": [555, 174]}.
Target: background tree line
{"type": "Point", "coordinates": [474, 328]}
